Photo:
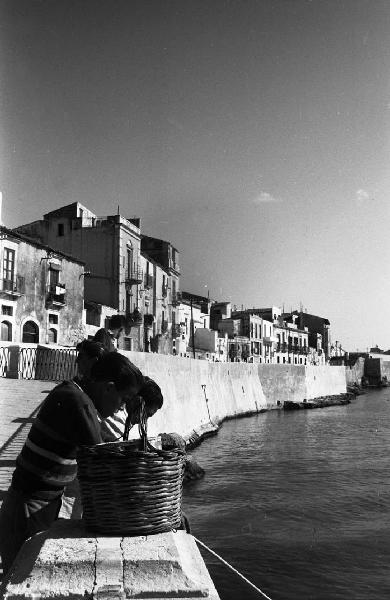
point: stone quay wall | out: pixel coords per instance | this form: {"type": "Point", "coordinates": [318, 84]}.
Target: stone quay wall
{"type": "Point", "coordinates": [200, 393]}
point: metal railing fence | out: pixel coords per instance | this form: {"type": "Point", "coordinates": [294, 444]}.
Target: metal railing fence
{"type": "Point", "coordinates": [4, 361]}
{"type": "Point", "coordinates": [47, 364]}
{"type": "Point", "coordinates": [40, 362]}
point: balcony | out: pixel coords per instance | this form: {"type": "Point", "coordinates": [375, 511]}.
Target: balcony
{"type": "Point", "coordinates": [176, 299]}
{"type": "Point", "coordinates": [269, 340]}
{"type": "Point", "coordinates": [134, 277]}
{"type": "Point", "coordinates": [281, 347]}
{"type": "Point", "coordinates": [177, 331]}
{"type": "Point", "coordinates": [55, 296]}
{"type": "Point", "coordinates": [134, 319]}
{"type": "Point", "coordinates": [148, 320]}
{"type": "Point", "coordinates": [291, 348]}
{"type": "Point", "coordinates": [12, 288]}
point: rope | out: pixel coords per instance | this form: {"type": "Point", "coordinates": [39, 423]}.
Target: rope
{"type": "Point", "coordinates": [232, 568]}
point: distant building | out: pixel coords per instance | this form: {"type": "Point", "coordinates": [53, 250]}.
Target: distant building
{"type": "Point", "coordinates": [292, 346]}
{"type": "Point", "coordinates": [316, 326]}
{"type": "Point", "coordinates": [259, 333]}
{"type": "Point", "coordinates": [219, 311]}
{"type": "Point", "coordinates": [162, 264]}
{"type": "Point", "coordinates": [41, 292]}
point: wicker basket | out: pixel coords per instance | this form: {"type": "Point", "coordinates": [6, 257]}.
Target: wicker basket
{"type": "Point", "coordinates": [130, 488]}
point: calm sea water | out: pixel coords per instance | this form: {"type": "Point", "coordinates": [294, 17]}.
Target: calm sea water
{"type": "Point", "coordinates": [299, 502]}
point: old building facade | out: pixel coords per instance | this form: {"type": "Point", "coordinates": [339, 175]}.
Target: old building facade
{"type": "Point", "coordinates": [142, 286]}
{"type": "Point", "coordinates": [41, 294]}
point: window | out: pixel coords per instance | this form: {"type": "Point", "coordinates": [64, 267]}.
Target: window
{"type": "Point", "coordinates": [53, 319]}
{"type": "Point", "coordinates": [8, 265]}
{"type": "Point", "coordinates": [129, 262]}
{"type": "Point", "coordinates": [60, 230]}
{"type": "Point", "coordinates": [128, 302]}
{"type": "Point", "coordinates": [54, 277]}
{"type": "Point", "coordinates": [7, 310]}
{"type": "Point", "coordinates": [127, 341]}
{"type": "Point", "coordinates": [52, 336]}
{"type": "Point", "coordinates": [30, 333]}
{"type": "Point", "coordinates": [6, 332]}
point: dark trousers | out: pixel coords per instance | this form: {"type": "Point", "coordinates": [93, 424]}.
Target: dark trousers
{"type": "Point", "coordinates": [20, 518]}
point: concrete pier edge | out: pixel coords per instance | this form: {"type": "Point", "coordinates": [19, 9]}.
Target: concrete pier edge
{"type": "Point", "coordinates": [67, 562]}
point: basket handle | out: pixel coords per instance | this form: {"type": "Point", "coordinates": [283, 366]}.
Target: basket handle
{"type": "Point", "coordinates": [143, 431]}
{"type": "Point", "coordinates": [142, 426]}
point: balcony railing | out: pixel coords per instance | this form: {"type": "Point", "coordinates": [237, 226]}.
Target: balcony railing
{"type": "Point", "coordinates": [176, 298]}
{"type": "Point", "coordinates": [148, 320]}
{"type": "Point", "coordinates": [134, 318]}
{"type": "Point", "coordinates": [291, 348]}
{"type": "Point", "coordinates": [55, 295]}
{"type": "Point", "coordinates": [134, 277]}
{"type": "Point", "coordinates": [177, 331]}
{"type": "Point", "coordinates": [14, 287]}
{"type": "Point", "coordinates": [269, 340]}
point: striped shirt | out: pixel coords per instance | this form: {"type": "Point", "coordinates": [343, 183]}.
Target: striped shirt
{"type": "Point", "coordinates": [47, 462]}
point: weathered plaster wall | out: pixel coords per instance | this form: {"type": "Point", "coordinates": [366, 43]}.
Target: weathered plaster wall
{"type": "Point", "coordinates": [355, 373]}
{"type": "Point", "coordinates": [282, 382]}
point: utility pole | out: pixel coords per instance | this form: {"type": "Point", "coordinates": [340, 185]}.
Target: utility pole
{"type": "Point", "coordinates": [192, 331]}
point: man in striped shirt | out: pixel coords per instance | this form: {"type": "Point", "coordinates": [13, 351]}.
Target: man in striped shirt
{"type": "Point", "coordinates": [69, 417]}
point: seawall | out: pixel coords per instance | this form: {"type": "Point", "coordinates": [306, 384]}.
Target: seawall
{"type": "Point", "coordinates": [200, 394]}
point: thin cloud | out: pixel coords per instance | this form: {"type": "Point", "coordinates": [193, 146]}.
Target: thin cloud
{"type": "Point", "coordinates": [362, 196]}
{"type": "Point", "coordinates": [265, 197]}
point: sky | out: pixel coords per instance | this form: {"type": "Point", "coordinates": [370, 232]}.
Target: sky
{"type": "Point", "coordinates": [253, 135]}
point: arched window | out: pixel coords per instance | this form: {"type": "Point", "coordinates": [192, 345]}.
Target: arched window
{"type": "Point", "coordinates": [6, 331]}
{"type": "Point", "coordinates": [52, 336]}
{"type": "Point", "coordinates": [30, 333]}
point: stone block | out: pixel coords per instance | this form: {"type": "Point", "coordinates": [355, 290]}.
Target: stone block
{"type": "Point", "coordinates": [67, 563]}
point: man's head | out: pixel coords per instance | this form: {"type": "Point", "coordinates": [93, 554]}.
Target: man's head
{"type": "Point", "coordinates": [114, 380]}
{"type": "Point", "coordinates": [88, 353]}
{"type": "Point", "coordinates": [150, 396]}
{"type": "Point", "coordinates": [117, 324]}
